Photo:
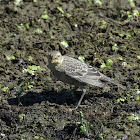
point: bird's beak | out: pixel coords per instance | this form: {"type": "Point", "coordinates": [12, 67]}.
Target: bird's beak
{"type": "Point", "coordinates": [53, 61]}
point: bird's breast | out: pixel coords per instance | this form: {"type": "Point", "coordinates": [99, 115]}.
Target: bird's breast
{"type": "Point", "coordinates": [61, 75]}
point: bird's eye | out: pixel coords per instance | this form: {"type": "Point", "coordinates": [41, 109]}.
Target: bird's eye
{"type": "Point", "coordinates": [55, 58]}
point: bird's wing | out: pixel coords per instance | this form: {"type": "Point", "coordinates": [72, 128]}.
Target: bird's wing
{"type": "Point", "coordinates": [74, 67]}
{"type": "Point", "coordinates": [86, 73]}
{"type": "Point", "coordinates": [82, 72]}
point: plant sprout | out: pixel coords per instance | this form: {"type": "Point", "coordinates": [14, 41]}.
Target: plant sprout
{"type": "Point", "coordinates": [64, 43]}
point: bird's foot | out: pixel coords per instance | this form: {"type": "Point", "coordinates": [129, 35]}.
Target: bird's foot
{"type": "Point", "coordinates": [79, 106]}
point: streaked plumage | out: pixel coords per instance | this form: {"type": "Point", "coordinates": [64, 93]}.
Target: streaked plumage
{"type": "Point", "coordinates": [75, 72]}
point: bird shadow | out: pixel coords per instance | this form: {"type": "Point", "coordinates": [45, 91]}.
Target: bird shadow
{"type": "Point", "coordinates": [106, 95]}
{"type": "Point", "coordinates": [62, 97]}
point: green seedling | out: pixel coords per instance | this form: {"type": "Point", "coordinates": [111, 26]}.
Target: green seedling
{"type": "Point", "coordinates": [109, 62]}
{"type": "Point", "coordinates": [18, 2]}
{"type": "Point", "coordinates": [128, 14]}
{"type": "Point", "coordinates": [10, 57]}
{"type": "Point", "coordinates": [29, 84]}
{"type": "Point", "coordinates": [83, 124]}
{"type": "Point", "coordinates": [98, 2]}
{"type": "Point", "coordinates": [124, 64]}
{"type": "Point", "coordinates": [103, 24]}
{"type": "Point", "coordinates": [37, 137]}
{"type": "Point", "coordinates": [120, 15]}
{"type": "Point", "coordinates": [100, 136]}
{"type": "Point", "coordinates": [137, 98]}
{"type": "Point", "coordinates": [61, 10]}
{"type": "Point", "coordinates": [121, 100]}
{"type": "Point", "coordinates": [21, 116]}
{"type": "Point", "coordinates": [88, 1]}
{"type": "Point", "coordinates": [83, 128]}
{"type": "Point", "coordinates": [133, 117]}
{"type": "Point", "coordinates": [81, 58]}
{"type": "Point", "coordinates": [68, 15]}
{"type": "Point", "coordinates": [63, 13]}
{"type": "Point", "coordinates": [132, 3]}
{"type": "Point", "coordinates": [128, 36]}
{"type": "Point", "coordinates": [4, 89]}
{"type": "Point", "coordinates": [34, 1]}
{"type": "Point", "coordinates": [121, 34]}
{"type": "Point", "coordinates": [3, 135]}
{"type": "Point", "coordinates": [27, 25]}
{"type": "Point", "coordinates": [115, 47]}
{"type": "Point", "coordinates": [45, 16]}
{"type": "Point", "coordinates": [136, 13]}
{"type": "Point", "coordinates": [21, 26]}
{"type": "Point", "coordinates": [39, 31]}
{"type": "Point", "coordinates": [119, 58]}
{"type": "Point", "coordinates": [65, 44]}
{"type": "Point", "coordinates": [75, 25]}
{"type": "Point", "coordinates": [103, 65]}
{"type": "Point", "coordinates": [35, 68]}
{"type": "Point", "coordinates": [138, 91]}
{"type": "Point", "coordinates": [30, 58]}
{"type": "Point", "coordinates": [138, 57]}
{"type": "Point", "coordinates": [32, 69]}
{"type": "Point", "coordinates": [123, 47]}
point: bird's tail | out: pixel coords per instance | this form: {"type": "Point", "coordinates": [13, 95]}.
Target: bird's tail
{"type": "Point", "coordinates": [105, 78]}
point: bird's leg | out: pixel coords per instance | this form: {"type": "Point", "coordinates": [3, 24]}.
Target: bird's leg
{"type": "Point", "coordinates": [82, 96]}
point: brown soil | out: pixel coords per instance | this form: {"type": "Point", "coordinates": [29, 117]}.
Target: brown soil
{"type": "Point", "coordinates": [33, 105]}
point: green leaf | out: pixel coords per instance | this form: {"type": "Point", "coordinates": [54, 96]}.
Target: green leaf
{"type": "Point", "coordinates": [83, 129]}
{"type": "Point", "coordinates": [121, 100]}
{"type": "Point", "coordinates": [99, 2]}
{"type": "Point", "coordinates": [103, 65]}
{"type": "Point", "coordinates": [21, 116]}
{"type": "Point", "coordinates": [3, 135]}
{"type": "Point", "coordinates": [68, 15]}
{"type": "Point", "coordinates": [37, 137]}
{"type": "Point", "coordinates": [137, 98]}
{"type": "Point", "coordinates": [34, 1]}
{"type": "Point", "coordinates": [45, 16]}
{"type": "Point", "coordinates": [39, 31]}
{"type": "Point", "coordinates": [114, 47]}
{"type": "Point", "coordinates": [4, 89]}
{"type": "Point", "coordinates": [123, 47]}
{"type": "Point", "coordinates": [64, 43]}
{"type": "Point", "coordinates": [10, 57]}
{"type": "Point", "coordinates": [21, 26]}
{"type": "Point", "coordinates": [138, 92]}
{"type": "Point", "coordinates": [133, 118]}
{"type": "Point", "coordinates": [136, 13]}
{"type": "Point", "coordinates": [81, 58]}
{"type": "Point", "coordinates": [109, 62]}
{"type": "Point", "coordinates": [138, 57]}
{"type": "Point", "coordinates": [60, 9]}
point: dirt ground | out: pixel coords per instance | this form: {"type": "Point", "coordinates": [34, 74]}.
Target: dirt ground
{"type": "Point", "coordinates": [33, 104]}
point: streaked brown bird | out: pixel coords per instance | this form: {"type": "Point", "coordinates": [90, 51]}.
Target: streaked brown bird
{"type": "Point", "coordinates": [72, 71]}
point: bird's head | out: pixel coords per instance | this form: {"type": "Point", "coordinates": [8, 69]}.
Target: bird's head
{"type": "Point", "coordinates": [56, 57]}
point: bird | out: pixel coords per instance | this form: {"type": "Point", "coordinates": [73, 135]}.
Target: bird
{"type": "Point", "coordinates": [75, 72]}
